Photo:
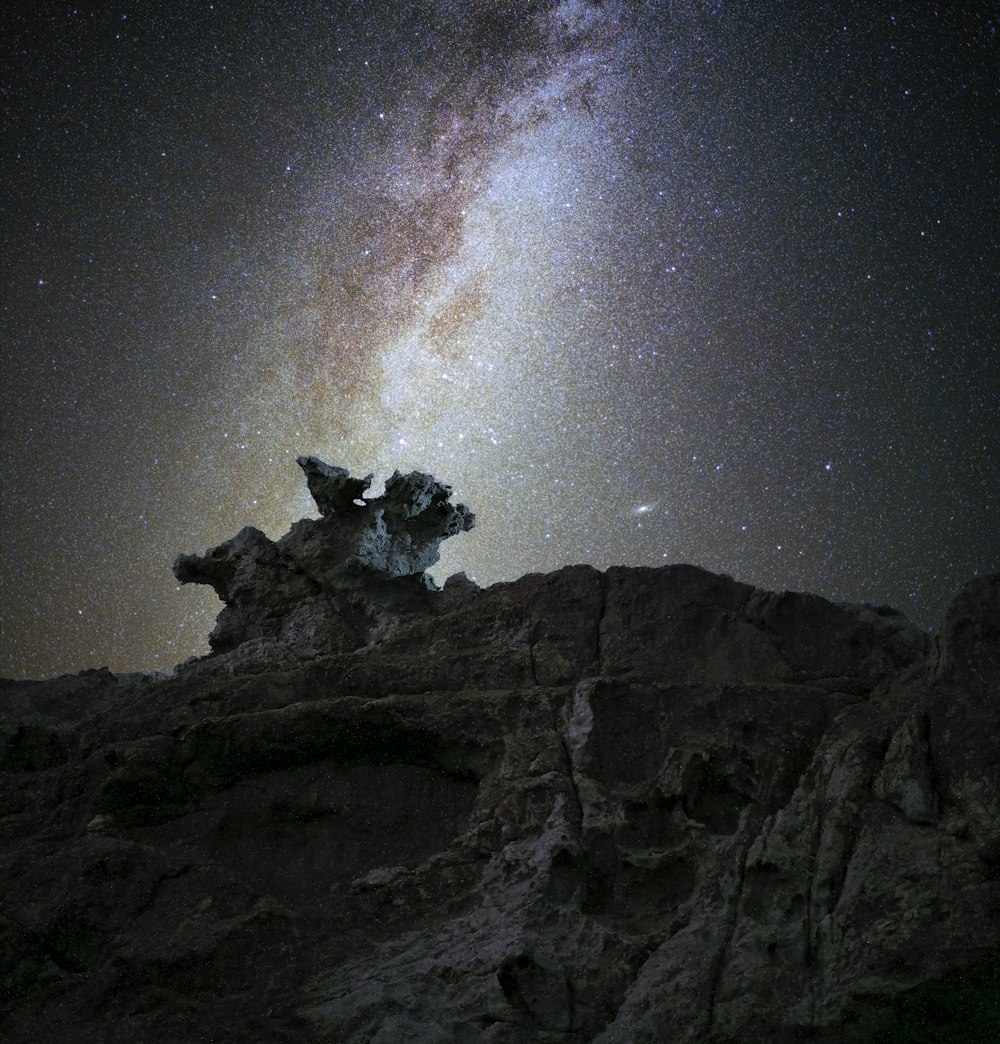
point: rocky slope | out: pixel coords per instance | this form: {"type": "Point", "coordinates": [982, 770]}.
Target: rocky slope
{"type": "Point", "coordinates": [643, 805]}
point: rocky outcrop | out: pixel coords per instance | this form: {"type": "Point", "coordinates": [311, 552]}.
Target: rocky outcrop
{"type": "Point", "coordinates": [642, 805]}
{"type": "Point", "coordinates": [330, 583]}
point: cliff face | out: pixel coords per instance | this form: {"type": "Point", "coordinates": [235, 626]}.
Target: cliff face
{"type": "Point", "coordinates": [633, 806]}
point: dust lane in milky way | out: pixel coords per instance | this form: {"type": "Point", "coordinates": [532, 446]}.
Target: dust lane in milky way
{"type": "Point", "coordinates": [645, 282]}
{"type": "Point", "coordinates": [498, 295]}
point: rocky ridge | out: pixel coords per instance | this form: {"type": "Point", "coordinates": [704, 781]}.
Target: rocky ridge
{"type": "Point", "coordinates": [641, 805]}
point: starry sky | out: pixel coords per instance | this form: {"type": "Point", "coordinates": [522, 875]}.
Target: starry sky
{"type": "Point", "coordinates": [646, 282]}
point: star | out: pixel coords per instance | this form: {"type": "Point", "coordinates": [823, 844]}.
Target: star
{"type": "Point", "coordinates": [589, 265]}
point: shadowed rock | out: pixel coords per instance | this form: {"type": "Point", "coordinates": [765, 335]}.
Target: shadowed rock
{"type": "Point", "coordinates": [620, 807]}
{"type": "Point", "coordinates": [330, 583]}
{"type": "Point", "coordinates": [331, 487]}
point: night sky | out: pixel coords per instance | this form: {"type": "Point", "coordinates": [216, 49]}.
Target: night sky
{"type": "Point", "coordinates": [645, 282]}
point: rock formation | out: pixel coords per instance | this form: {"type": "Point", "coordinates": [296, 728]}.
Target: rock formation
{"type": "Point", "coordinates": [642, 805]}
{"type": "Point", "coordinates": [331, 583]}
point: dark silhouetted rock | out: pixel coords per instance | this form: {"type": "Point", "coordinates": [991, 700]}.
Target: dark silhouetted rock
{"type": "Point", "coordinates": [332, 488]}
{"type": "Point", "coordinates": [644, 805]}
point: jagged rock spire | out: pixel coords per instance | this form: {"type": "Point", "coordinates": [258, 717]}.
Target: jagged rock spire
{"type": "Point", "coordinates": [330, 581]}
{"type": "Point", "coordinates": [331, 487]}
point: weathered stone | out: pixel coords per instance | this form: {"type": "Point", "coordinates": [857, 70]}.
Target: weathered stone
{"type": "Point", "coordinates": [331, 487]}
{"type": "Point", "coordinates": [330, 584]}
{"type": "Point", "coordinates": [633, 806]}
{"type": "Point", "coordinates": [906, 777]}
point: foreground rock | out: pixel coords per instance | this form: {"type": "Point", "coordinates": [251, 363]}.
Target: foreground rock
{"type": "Point", "coordinates": [633, 806]}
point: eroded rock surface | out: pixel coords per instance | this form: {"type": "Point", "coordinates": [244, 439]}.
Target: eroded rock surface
{"type": "Point", "coordinates": [643, 805]}
{"type": "Point", "coordinates": [330, 583]}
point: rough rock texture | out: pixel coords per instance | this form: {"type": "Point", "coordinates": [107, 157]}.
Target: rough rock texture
{"type": "Point", "coordinates": [330, 584]}
{"type": "Point", "coordinates": [645, 805]}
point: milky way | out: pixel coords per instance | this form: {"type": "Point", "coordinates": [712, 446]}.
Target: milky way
{"type": "Point", "coordinates": [645, 283]}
